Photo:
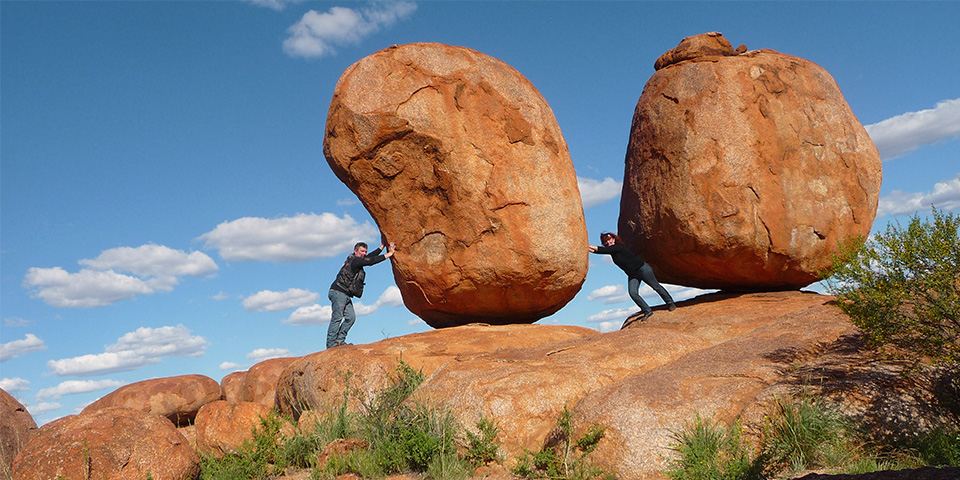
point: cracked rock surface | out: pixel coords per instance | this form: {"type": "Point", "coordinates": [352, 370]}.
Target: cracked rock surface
{"type": "Point", "coordinates": [460, 161]}
{"type": "Point", "coordinates": [744, 170]}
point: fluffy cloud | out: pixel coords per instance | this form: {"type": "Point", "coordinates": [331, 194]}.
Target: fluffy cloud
{"type": "Point", "coordinates": [945, 196]}
{"type": "Point", "coordinates": [262, 354]}
{"type": "Point", "coordinates": [161, 265]}
{"type": "Point", "coordinates": [133, 350]}
{"type": "Point", "coordinates": [613, 314]}
{"type": "Point", "coordinates": [594, 192]}
{"type": "Point", "coordinates": [30, 343]}
{"type": "Point", "coordinates": [102, 283]}
{"type": "Point", "coordinates": [72, 387]}
{"type": "Point", "coordinates": [317, 314]}
{"type": "Point", "coordinates": [896, 136]}
{"type": "Point", "coordinates": [317, 34]}
{"type": "Point", "coordinates": [231, 366]}
{"type": "Point", "coordinates": [84, 289]}
{"type": "Point", "coordinates": [291, 239]}
{"type": "Point", "coordinates": [42, 407]}
{"type": "Point", "coordinates": [15, 384]}
{"type": "Point", "coordinates": [269, 301]}
{"type": "Point", "coordinates": [609, 294]}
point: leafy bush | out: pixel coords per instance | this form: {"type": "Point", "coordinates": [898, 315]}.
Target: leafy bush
{"type": "Point", "coordinates": [803, 433]}
{"type": "Point", "coordinates": [564, 457]}
{"type": "Point", "coordinates": [707, 450]}
{"type": "Point", "coordinates": [902, 287]}
{"type": "Point", "coordinates": [482, 447]}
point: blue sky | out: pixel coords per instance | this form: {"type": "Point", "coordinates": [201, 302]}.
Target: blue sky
{"type": "Point", "coordinates": [166, 207]}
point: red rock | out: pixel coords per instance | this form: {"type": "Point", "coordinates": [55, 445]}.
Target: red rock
{"type": "Point", "coordinates": [744, 172]}
{"type": "Point", "coordinates": [231, 384]}
{"type": "Point", "coordinates": [697, 46]}
{"type": "Point", "coordinates": [177, 398]}
{"type": "Point", "coordinates": [316, 382]}
{"type": "Point", "coordinates": [115, 443]}
{"type": "Point", "coordinates": [260, 383]}
{"type": "Point", "coordinates": [222, 427]}
{"type": "Point", "coordinates": [339, 448]}
{"type": "Point", "coordinates": [16, 428]}
{"type": "Point", "coordinates": [460, 161]}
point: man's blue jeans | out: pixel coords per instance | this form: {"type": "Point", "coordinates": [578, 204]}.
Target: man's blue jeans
{"type": "Point", "coordinates": [633, 288]}
{"type": "Point", "coordinates": [341, 319]}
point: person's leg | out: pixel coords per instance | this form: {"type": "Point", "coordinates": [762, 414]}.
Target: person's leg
{"type": "Point", "coordinates": [646, 274]}
{"type": "Point", "coordinates": [633, 289]}
{"type": "Point", "coordinates": [338, 303]}
{"type": "Point", "coordinates": [349, 318]}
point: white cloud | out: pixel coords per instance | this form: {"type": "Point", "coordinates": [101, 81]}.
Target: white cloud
{"type": "Point", "coordinates": [133, 350]}
{"type": "Point", "coordinates": [269, 301]}
{"type": "Point", "coordinates": [346, 202]}
{"type": "Point", "coordinates": [277, 5]}
{"type": "Point", "coordinates": [102, 284]}
{"type": "Point", "coordinates": [15, 384]}
{"type": "Point", "coordinates": [317, 314]}
{"type": "Point", "coordinates": [161, 265]}
{"type": "Point", "coordinates": [594, 192]}
{"type": "Point", "coordinates": [220, 296]}
{"type": "Point", "coordinates": [15, 322]}
{"type": "Point", "coordinates": [317, 34]}
{"type": "Point", "coordinates": [299, 238]}
{"type": "Point", "coordinates": [609, 294]}
{"type": "Point", "coordinates": [310, 315]}
{"type": "Point", "coordinates": [231, 366]}
{"type": "Point", "coordinates": [945, 196]}
{"type": "Point", "coordinates": [262, 354]}
{"type": "Point", "coordinates": [609, 326]}
{"type": "Point", "coordinates": [896, 136]}
{"type": "Point", "coordinates": [612, 314]}
{"type": "Point", "coordinates": [42, 407]}
{"type": "Point", "coordinates": [30, 343]}
{"type": "Point", "coordinates": [71, 387]}
{"type": "Point", "coordinates": [84, 289]}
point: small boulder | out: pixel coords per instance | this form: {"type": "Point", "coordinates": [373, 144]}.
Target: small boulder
{"type": "Point", "coordinates": [222, 427]}
{"type": "Point", "coordinates": [115, 443]}
{"type": "Point", "coordinates": [697, 47]}
{"type": "Point", "coordinates": [460, 161]}
{"type": "Point", "coordinates": [744, 171]}
{"type": "Point", "coordinates": [177, 398]}
{"type": "Point", "coordinates": [16, 428]}
{"type": "Point", "coordinates": [231, 385]}
{"type": "Point", "coordinates": [260, 383]}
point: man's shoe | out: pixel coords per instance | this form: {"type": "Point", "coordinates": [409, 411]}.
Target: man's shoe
{"type": "Point", "coordinates": [646, 316]}
{"type": "Point", "coordinates": [671, 307]}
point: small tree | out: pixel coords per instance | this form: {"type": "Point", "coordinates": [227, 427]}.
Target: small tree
{"type": "Point", "coordinates": [902, 287]}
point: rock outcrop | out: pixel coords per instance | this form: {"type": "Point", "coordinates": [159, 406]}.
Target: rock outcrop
{"type": "Point", "coordinates": [744, 171]}
{"type": "Point", "coordinates": [260, 383]}
{"type": "Point", "coordinates": [16, 428]}
{"type": "Point", "coordinates": [178, 398]}
{"type": "Point", "coordinates": [231, 384]}
{"type": "Point", "coordinates": [459, 160]}
{"type": "Point", "coordinates": [222, 427]}
{"type": "Point", "coordinates": [316, 381]}
{"type": "Point", "coordinates": [115, 443]}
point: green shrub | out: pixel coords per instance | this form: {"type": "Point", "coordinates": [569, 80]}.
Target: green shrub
{"type": "Point", "coordinates": [482, 447]}
{"type": "Point", "coordinates": [901, 287]}
{"type": "Point", "coordinates": [709, 451]}
{"type": "Point", "coordinates": [803, 433]}
{"type": "Point", "coordinates": [564, 457]}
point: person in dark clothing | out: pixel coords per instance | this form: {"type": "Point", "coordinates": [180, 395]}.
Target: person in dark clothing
{"type": "Point", "coordinates": [636, 269]}
{"type": "Point", "coordinates": [349, 283]}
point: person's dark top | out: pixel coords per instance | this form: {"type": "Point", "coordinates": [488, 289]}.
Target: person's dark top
{"type": "Point", "coordinates": [623, 258]}
{"type": "Point", "coordinates": [351, 275]}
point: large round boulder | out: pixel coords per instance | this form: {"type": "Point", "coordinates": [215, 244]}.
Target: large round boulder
{"type": "Point", "coordinates": [460, 161]}
{"type": "Point", "coordinates": [116, 443]}
{"type": "Point", "coordinates": [223, 427]}
{"type": "Point", "coordinates": [178, 398]}
{"type": "Point", "coordinates": [16, 428]}
{"type": "Point", "coordinates": [744, 171]}
{"type": "Point", "coordinates": [260, 383]}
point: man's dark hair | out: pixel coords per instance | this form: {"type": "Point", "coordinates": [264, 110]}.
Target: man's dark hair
{"type": "Point", "coordinates": [360, 244]}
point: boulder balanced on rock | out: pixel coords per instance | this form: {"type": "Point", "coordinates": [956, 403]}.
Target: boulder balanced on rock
{"type": "Point", "coordinates": [461, 163]}
{"type": "Point", "coordinates": [744, 171]}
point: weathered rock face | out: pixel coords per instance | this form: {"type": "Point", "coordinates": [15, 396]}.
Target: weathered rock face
{"type": "Point", "coordinates": [260, 383]}
{"type": "Point", "coordinates": [222, 426]}
{"type": "Point", "coordinates": [461, 163]}
{"type": "Point", "coordinates": [16, 428]}
{"type": "Point", "coordinates": [177, 398]}
{"type": "Point", "coordinates": [744, 171]}
{"type": "Point", "coordinates": [231, 384]}
{"type": "Point", "coordinates": [116, 443]}
{"type": "Point", "coordinates": [316, 381]}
